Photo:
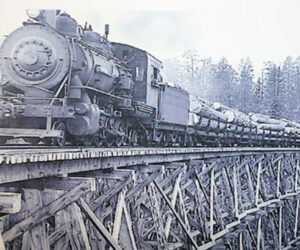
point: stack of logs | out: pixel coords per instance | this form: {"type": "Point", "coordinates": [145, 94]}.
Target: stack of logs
{"type": "Point", "coordinates": [216, 116]}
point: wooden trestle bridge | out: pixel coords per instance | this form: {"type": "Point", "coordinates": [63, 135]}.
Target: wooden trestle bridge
{"type": "Point", "coordinates": [149, 198]}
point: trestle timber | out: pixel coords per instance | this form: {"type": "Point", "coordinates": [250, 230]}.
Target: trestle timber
{"type": "Point", "coordinates": [204, 199]}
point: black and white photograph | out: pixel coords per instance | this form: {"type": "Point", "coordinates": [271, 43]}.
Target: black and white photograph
{"type": "Point", "coordinates": [139, 125]}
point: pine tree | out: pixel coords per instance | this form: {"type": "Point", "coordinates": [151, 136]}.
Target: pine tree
{"type": "Point", "coordinates": [223, 84]}
{"type": "Point", "coordinates": [258, 95]}
{"type": "Point", "coordinates": [296, 94]}
{"type": "Point", "coordinates": [191, 68]}
{"type": "Point", "coordinates": [273, 97]}
{"type": "Point", "coordinates": [173, 71]}
{"type": "Point", "coordinates": [246, 76]}
{"type": "Point", "coordinates": [288, 87]}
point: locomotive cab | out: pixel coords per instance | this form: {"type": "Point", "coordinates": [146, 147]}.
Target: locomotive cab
{"type": "Point", "coordinates": [169, 103]}
{"type": "Point", "coordinates": [145, 69]}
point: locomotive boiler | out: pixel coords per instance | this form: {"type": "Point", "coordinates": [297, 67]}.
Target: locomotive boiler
{"type": "Point", "coordinates": [55, 77]}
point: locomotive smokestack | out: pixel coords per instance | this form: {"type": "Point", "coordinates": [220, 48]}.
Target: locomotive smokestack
{"type": "Point", "coordinates": [106, 30]}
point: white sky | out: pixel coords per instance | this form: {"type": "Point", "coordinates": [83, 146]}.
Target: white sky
{"type": "Point", "coordinates": [261, 29]}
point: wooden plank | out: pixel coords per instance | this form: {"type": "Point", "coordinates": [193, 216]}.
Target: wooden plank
{"type": "Point", "coordinates": [10, 203]}
{"type": "Point", "coordinates": [47, 211]}
{"type": "Point", "coordinates": [97, 223]}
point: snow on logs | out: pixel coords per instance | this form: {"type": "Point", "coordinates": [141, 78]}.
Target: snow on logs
{"type": "Point", "coordinates": [233, 115]}
{"type": "Point", "coordinates": [217, 116]}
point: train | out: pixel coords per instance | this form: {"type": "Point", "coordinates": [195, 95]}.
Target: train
{"type": "Point", "coordinates": [65, 84]}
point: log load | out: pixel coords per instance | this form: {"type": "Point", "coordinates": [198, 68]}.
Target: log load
{"type": "Point", "coordinates": [265, 119]}
{"type": "Point", "coordinates": [270, 126]}
{"type": "Point", "coordinates": [219, 117]}
{"type": "Point", "coordinates": [233, 115]}
{"type": "Point", "coordinates": [291, 127]}
{"type": "Point", "coordinates": [210, 113]}
{"type": "Point", "coordinates": [265, 123]}
{"type": "Point", "coordinates": [291, 123]}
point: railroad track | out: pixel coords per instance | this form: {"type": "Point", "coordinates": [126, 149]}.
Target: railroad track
{"type": "Point", "coordinates": [151, 198]}
{"type": "Point", "coordinates": [37, 153]}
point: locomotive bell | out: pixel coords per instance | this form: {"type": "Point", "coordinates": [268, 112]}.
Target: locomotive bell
{"type": "Point", "coordinates": [33, 13]}
{"type": "Point", "coordinates": [44, 16]}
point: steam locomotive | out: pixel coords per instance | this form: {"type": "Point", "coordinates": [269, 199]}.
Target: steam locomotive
{"type": "Point", "coordinates": [62, 83]}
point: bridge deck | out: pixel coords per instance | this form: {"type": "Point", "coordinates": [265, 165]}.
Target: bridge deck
{"type": "Point", "coordinates": [28, 163]}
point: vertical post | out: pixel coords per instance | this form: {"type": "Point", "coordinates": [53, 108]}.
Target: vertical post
{"type": "Point", "coordinates": [296, 220]}
{"type": "Point", "coordinates": [296, 176]}
{"type": "Point", "coordinates": [241, 241]}
{"type": "Point", "coordinates": [280, 229]}
{"type": "Point", "coordinates": [236, 201]}
{"type": "Point", "coordinates": [211, 207]}
{"type": "Point", "coordinates": [2, 246]}
{"type": "Point", "coordinates": [258, 183]}
{"type": "Point", "coordinates": [278, 179]}
{"type": "Point", "coordinates": [258, 234]}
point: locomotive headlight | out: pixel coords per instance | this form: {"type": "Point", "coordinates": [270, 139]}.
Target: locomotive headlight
{"type": "Point", "coordinates": [33, 13]}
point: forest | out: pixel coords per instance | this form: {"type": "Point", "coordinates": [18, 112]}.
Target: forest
{"type": "Point", "coordinates": [274, 91]}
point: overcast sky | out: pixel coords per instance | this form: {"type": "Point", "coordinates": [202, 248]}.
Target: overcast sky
{"type": "Point", "coordinates": [261, 29]}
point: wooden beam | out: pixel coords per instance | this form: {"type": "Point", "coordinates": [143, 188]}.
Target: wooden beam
{"type": "Point", "coordinates": [47, 211]}
{"type": "Point", "coordinates": [115, 174]}
{"type": "Point", "coordinates": [62, 241]}
{"type": "Point", "coordinates": [141, 185]}
{"type": "Point", "coordinates": [97, 223]}
{"type": "Point", "coordinates": [173, 202]}
{"type": "Point", "coordinates": [53, 182]}
{"type": "Point", "coordinates": [120, 210]}
{"type": "Point", "coordinates": [105, 197]}
{"type": "Point", "coordinates": [176, 215]}
{"type": "Point", "coordinates": [10, 203]}
{"type": "Point", "coordinates": [36, 237]}
{"type": "Point", "coordinates": [57, 234]}
{"type": "Point", "coordinates": [75, 227]}
{"type": "Point", "coordinates": [2, 246]}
